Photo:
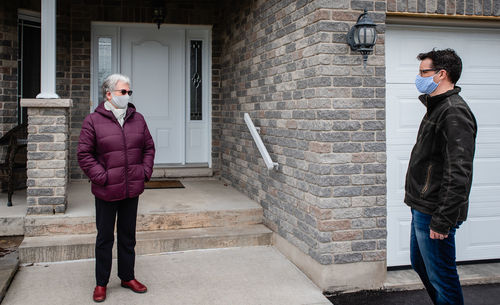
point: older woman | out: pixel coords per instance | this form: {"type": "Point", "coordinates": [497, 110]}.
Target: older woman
{"type": "Point", "coordinates": [116, 151]}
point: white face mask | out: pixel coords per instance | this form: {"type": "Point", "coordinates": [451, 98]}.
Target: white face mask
{"type": "Point", "coordinates": [120, 101]}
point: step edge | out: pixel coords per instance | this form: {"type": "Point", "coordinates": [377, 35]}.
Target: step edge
{"type": "Point", "coordinates": [78, 239]}
{"type": "Point", "coordinates": [92, 217]}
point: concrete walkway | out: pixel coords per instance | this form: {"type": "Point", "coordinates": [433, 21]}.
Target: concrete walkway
{"type": "Point", "coordinates": [472, 274]}
{"type": "Point", "coordinates": [243, 276]}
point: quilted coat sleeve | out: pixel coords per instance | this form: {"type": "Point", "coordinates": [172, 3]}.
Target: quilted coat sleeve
{"type": "Point", "coordinates": [87, 154]}
{"type": "Point", "coordinates": [148, 153]}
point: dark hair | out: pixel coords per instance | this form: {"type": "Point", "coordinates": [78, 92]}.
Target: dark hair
{"type": "Point", "coordinates": [447, 60]}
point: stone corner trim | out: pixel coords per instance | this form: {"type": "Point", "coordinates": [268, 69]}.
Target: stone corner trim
{"type": "Point", "coordinates": [48, 142]}
{"type": "Point", "coordinates": [46, 103]}
{"type": "Point", "coordinates": [336, 277]}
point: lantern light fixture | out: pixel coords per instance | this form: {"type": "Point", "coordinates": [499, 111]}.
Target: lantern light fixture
{"type": "Point", "coordinates": [158, 12]}
{"type": "Point", "coordinates": [363, 36]}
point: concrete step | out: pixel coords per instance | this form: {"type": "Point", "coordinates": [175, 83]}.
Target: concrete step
{"type": "Point", "coordinates": [12, 218]}
{"type": "Point", "coordinates": [181, 172]}
{"type": "Point", "coordinates": [82, 246]}
{"type": "Point", "coordinates": [201, 204]}
{"type": "Point", "coordinates": [67, 224]}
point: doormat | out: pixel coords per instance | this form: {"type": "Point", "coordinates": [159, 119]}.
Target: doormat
{"type": "Point", "coordinates": [165, 184]}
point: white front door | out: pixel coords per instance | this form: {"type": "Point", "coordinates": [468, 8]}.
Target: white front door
{"type": "Point", "coordinates": [161, 64]}
{"type": "Point", "coordinates": [154, 61]}
{"type": "Point", "coordinates": [480, 83]}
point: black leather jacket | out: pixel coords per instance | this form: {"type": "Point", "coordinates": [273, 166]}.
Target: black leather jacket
{"type": "Point", "coordinates": [439, 175]}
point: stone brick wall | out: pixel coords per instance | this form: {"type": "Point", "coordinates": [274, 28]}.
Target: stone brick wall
{"type": "Point", "coordinates": [47, 155]}
{"type": "Point", "coordinates": [448, 7]}
{"type": "Point", "coordinates": [8, 65]}
{"type": "Point", "coordinates": [74, 29]}
{"type": "Point", "coordinates": [322, 118]}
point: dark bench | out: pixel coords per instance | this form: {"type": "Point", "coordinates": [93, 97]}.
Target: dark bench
{"type": "Point", "coordinates": [13, 172]}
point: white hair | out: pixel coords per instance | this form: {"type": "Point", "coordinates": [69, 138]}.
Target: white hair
{"type": "Point", "coordinates": [110, 82]}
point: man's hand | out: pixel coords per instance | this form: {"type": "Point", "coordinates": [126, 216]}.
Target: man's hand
{"type": "Point", "coordinates": [436, 235]}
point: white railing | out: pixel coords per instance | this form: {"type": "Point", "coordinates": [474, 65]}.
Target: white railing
{"type": "Point", "coordinates": [260, 145]}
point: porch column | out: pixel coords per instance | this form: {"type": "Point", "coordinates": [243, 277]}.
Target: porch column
{"type": "Point", "coordinates": [48, 50]}
{"type": "Point", "coordinates": [48, 143]}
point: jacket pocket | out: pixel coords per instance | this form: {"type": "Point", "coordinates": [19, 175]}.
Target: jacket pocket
{"type": "Point", "coordinates": [427, 181]}
{"type": "Point", "coordinates": [100, 179]}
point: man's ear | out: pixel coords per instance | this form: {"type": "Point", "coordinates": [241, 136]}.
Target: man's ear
{"type": "Point", "coordinates": [445, 75]}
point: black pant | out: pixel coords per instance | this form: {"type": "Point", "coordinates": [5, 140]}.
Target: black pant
{"type": "Point", "coordinates": [106, 213]}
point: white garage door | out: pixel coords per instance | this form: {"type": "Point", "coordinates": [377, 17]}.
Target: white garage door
{"type": "Point", "coordinates": [478, 238]}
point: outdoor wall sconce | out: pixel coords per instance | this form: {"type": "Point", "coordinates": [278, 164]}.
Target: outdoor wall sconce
{"type": "Point", "coordinates": [158, 12]}
{"type": "Point", "coordinates": [363, 36]}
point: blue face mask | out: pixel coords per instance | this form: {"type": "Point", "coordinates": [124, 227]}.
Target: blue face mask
{"type": "Point", "coordinates": [425, 84]}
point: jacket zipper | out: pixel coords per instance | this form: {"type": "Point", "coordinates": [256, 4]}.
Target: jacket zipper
{"type": "Point", "coordinates": [427, 181]}
{"type": "Point", "coordinates": [126, 157]}
{"type": "Point", "coordinates": [426, 106]}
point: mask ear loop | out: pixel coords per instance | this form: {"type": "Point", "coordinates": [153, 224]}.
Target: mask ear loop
{"type": "Point", "coordinates": [440, 72]}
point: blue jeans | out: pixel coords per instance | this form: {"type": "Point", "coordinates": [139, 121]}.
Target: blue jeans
{"type": "Point", "coordinates": [434, 261]}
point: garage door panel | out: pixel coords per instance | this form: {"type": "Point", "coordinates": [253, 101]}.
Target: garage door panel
{"type": "Point", "coordinates": [481, 98]}
{"type": "Point", "coordinates": [398, 235]}
{"type": "Point", "coordinates": [405, 114]}
{"type": "Point", "coordinates": [397, 164]}
{"type": "Point", "coordinates": [484, 165]}
{"type": "Point", "coordinates": [474, 240]}
{"type": "Point", "coordinates": [402, 66]}
{"type": "Point", "coordinates": [478, 69]}
{"type": "Point", "coordinates": [480, 84]}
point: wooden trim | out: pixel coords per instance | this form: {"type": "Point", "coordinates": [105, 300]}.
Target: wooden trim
{"type": "Point", "coordinates": [443, 16]}
{"type": "Point", "coordinates": [442, 20]}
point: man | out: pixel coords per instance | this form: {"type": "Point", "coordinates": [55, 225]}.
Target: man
{"type": "Point", "coordinates": [439, 175]}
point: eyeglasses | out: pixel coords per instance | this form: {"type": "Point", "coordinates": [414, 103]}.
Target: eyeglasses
{"type": "Point", "coordinates": [427, 70]}
{"type": "Point", "coordinates": [123, 91]}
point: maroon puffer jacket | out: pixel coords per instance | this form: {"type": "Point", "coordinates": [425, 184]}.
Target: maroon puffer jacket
{"type": "Point", "coordinates": [117, 160]}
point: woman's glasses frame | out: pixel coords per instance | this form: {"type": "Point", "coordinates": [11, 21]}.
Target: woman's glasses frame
{"type": "Point", "coordinates": [123, 91]}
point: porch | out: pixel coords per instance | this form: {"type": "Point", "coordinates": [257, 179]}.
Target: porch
{"type": "Point", "coordinates": [205, 214]}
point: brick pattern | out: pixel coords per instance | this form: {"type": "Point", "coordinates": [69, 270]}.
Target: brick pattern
{"type": "Point", "coordinates": [8, 66]}
{"type": "Point", "coordinates": [322, 118]}
{"type": "Point", "coordinates": [47, 159]}
{"type": "Point", "coordinates": [446, 7]}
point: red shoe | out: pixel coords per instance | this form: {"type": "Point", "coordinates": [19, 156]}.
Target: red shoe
{"type": "Point", "coordinates": [99, 293]}
{"type": "Point", "coordinates": [135, 286]}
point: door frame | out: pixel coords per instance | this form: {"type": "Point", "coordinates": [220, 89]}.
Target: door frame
{"type": "Point", "coordinates": [103, 29]}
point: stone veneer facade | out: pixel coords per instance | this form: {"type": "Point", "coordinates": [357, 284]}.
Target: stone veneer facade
{"type": "Point", "coordinates": [48, 175]}
{"type": "Point", "coordinates": [8, 66]}
{"type": "Point", "coordinates": [322, 117]}
{"type": "Point", "coordinates": [286, 63]}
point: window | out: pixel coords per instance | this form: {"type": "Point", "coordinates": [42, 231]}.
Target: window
{"type": "Point", "coordinates": [104, 61]}
{"type": "Point", "coordinates": [28, 64]}
{"type": "Point", "coordinates": [196, 113]}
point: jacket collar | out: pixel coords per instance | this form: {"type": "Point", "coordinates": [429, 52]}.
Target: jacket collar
{"type": "Point", "coordinates": [432, 101]}
{"type": "Point", "coordinates": [101, 110]}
